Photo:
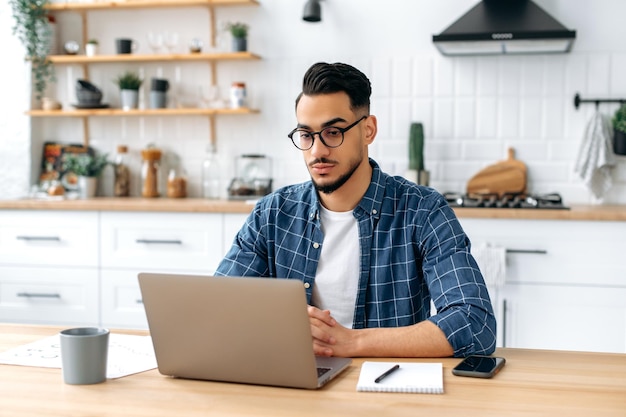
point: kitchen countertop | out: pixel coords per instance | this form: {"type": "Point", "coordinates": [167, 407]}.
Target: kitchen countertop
{"type": "Point", "coordinates": [200, 205]}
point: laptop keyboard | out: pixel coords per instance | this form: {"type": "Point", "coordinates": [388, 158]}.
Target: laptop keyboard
{"type": "Point", "coordinates": [322, 371]}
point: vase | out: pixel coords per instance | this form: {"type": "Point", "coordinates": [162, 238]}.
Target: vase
{"type": "Point", "coordinates": [129, 98]}
{"type": "Point", "coordinates": [619, 142]}
{"type": "Point", "coordinates": [87, 186]}
{"type": "Point", "coordinates": [240, 44]}
{"type": "Point", "coordinates": [91, 49]}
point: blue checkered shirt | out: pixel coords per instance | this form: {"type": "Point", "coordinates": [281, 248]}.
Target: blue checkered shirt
{"type": "Point", "coordinates": [412, 250]}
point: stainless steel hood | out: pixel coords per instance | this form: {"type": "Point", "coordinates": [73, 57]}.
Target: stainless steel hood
{"type": "Point", "coordinates": [495, 27]}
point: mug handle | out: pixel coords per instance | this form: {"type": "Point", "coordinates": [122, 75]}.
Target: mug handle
{"type": "Point", "coordinates": [134, 45]}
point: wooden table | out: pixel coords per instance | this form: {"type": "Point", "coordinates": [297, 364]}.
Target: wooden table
{"type": "Point", "coordinates": [533, 382]}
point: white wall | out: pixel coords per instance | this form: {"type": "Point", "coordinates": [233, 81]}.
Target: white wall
{"type": "Point", "coordinates": [473, 108]}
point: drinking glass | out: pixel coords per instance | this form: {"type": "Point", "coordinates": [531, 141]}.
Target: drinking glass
{"type": "Point", "coordinates": [171, 41]}
{"type": "Point", "coordinates": [155, 40]}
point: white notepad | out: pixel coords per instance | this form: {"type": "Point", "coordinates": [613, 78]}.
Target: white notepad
{"type": "Point", "coordinates": [424, 378]}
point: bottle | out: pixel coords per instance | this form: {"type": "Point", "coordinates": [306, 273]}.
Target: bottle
{"type": "Point", "coordinates": [238, 95]}
{"type": "Point", "coordinates": [150, 169]}
{"type": "Point", "coordinates": [211, 173]}
{"type": "Point", "coordinates": [121, 187]}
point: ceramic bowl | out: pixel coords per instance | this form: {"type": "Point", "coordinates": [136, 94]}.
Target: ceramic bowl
{"type": "Point", "coordinates": [87, 93]}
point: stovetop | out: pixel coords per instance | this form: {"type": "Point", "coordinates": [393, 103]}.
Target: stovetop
{"type": "Point", "coordinates": [551, 201]}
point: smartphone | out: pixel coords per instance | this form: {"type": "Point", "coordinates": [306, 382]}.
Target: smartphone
{"type": "Point", "coordinates": [479, 366]}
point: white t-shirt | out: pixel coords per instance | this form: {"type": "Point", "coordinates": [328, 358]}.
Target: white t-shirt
{"type": "Point", "coordinates": [337, 278]}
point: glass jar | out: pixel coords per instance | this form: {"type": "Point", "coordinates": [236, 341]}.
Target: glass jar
{"type": "Point", "coordinates": [150, 171]}
{"type": "Point", "coordinates": [238, 95]}
{"type": "Point", "coordinates": [121, 186]}
{"type": "Point", "coordinates": [177, 183]}
{"type": "Point", "coordinates": [211, 174]}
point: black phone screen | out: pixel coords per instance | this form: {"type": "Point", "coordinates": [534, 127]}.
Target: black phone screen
{"type": "Point", "coordinates": [479, 366]}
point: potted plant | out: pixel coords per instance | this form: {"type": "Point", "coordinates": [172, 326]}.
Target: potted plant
{"type": "Point", "coordinates": [87, 168]}
{"type": "Point", "coordinates": [32, 27]}
{"type": "Point", "coordinates": [239, 32]}
{"type": "Point", "coordinates": [91, 47]}
{"type": "Point", "coordinates": [619, 128]}
{"type": "Point", "coordinates": [129, 83]}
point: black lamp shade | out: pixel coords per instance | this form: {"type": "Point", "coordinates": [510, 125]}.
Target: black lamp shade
{"type": "Point", "coordinates": [312, 11]}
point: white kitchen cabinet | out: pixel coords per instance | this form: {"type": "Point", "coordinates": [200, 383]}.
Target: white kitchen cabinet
{"type": "Point", "coordinates": [48, 237]}
{"type": "Point", "coordinates": [49, 267]}
{"type": "Point", "coordinates": [161, 241]}
{"type": "Point", "coordinates": [232, 224]}
{"type": "Point", "coordinates": [565, 282]}
{"type": "Point", "coordinates": [49, 295]}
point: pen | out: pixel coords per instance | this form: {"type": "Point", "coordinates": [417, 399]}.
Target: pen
{"type": "Point", "coordinates": [387, 373]}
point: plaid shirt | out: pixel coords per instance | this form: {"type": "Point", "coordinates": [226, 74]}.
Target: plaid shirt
{"type": "Point", "coordinates": [412, 250]}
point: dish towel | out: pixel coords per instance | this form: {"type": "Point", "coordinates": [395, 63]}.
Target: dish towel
{"type": "Point", "coordinates": [492, 263]}
{"type": "Point", "coordinates": [595, 160]}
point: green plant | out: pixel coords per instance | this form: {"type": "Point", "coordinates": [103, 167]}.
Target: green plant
{"type": "Point", "coordinates": [85, 165]}
{"type": "Point", "coordinates": [619, 120]}
{"type": "Point", "coordinates": [238, 29]}
{"type": "Point", "coordinates": [129, 80]}
{"type": "Point", "coordinates": [93, 41]}
{"type": "Point", "coordinates": [33, 30]}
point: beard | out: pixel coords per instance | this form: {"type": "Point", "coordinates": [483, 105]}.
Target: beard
{"type": "Point", "coordinates": [334, 186]}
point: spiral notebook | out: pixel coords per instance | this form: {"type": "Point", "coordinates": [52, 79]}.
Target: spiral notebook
{"type": "Point", "coordinates": [423, 378]}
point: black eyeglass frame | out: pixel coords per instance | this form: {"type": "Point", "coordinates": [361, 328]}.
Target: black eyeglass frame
{"type": "Point", "coordinates": [343, 130]}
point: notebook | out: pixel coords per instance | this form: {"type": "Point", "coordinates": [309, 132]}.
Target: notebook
{"type": "Point", "coordinates": [246, 330]}
{"type": "Point", "coordinates": [423, 378]}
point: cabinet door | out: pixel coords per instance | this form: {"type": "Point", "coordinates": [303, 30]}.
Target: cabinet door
{"type": "Point", "coordinates": [232, 224]}
{"type": "Point", "coordinates": [48, 295]}
{"type": "Point", "coordinates": [162, 241]}
{"type": "Point", "coordinates": [42, 237]}
{"type": "Point", "coordinates": [586, 318]}
{"type": "Point", "coordinates": [121, 300]}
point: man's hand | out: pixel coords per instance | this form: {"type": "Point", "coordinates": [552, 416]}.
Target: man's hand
{"type": "Point", "coordinates": [329, 337]}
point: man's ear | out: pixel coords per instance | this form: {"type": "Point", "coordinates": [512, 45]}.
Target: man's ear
{"type": "Point", "coordinates": [371, 128]}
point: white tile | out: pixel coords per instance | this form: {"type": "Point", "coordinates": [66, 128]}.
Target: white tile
{"type": "Point", "coordinates": [444, 77]}
{"type": "Point", "coordinates": [465, 73]}
{"type": "Point", "coordinates": [508, 117]}
{"type": "Point", "coordinates": [618, 80]}
{"type": "Point", "coordinates": [486, 118]}
{"type": "Point", "coordinates": [510, 76]}
{"type": "Point", "coordinates": [487, 76]}
{"type": "Point", "coordinates": [598, 75]}
{"type": "Point", "coordinates": [381, 78]}
{"type": "Point", "coordinates": [554, 74]}
{"type": "Point", "coordinates": [553, 118]}
{"type": "Point", "coordinates": [401, 81]}
{"type": "Point", "coordinates": [401, 118]}
{"type": "Point", "coordinates": [531, 118]}
{"type": "Point", "coordinates": [464, 118]}
{"type": "Point", "coordinates": [443, 118]}
{"type": "Point", "coordinates": [423, 82]}
{"type": "Point", "coordinates": [532, 76]}
{"type": "Point", "coordinates": [423, 112]}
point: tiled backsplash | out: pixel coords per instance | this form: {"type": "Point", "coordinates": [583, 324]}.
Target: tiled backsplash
{"type": "Point", "coordinates": [472, 108]}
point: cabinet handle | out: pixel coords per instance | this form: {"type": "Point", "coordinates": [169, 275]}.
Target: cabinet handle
{"type": "Point", "coordinates": [46, 238]}
{"type": "Point", "coordinates": [529, 251]}
{"type": "Point", "coordinates": [167, 242]}
{"type": "Point", "coordinates": [38, 295]}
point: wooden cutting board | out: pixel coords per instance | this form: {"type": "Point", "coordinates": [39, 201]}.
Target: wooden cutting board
{"type": "Point", "coordinates": [508, 176]}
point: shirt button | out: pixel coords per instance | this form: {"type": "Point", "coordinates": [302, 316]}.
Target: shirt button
{"type": "Point", "coordinates": [307, 285]}
{"type": "Point", "coordinates": [316, 245]}
{"type": "Point", "coordinates": [374, 211]}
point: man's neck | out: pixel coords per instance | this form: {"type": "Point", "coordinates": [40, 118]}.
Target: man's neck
{"type": "Point", "coordinates": [350, 194]}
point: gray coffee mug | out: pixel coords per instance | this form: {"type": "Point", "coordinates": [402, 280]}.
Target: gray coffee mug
{"type": "Point", "coordinates": [158, 99]}
{"type": "Point", "coordinates": [84, 353]}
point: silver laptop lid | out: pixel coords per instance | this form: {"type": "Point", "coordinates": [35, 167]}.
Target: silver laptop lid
{"type": "Point", "coordinates": [249, 330]}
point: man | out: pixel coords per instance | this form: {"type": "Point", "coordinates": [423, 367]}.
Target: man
{"type": "Point", "coordinates": [372, 250]}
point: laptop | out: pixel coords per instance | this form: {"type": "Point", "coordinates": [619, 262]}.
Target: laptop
{"type": "Point", "coordinates": [234, 329]}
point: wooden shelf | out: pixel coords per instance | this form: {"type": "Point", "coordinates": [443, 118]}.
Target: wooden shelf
{"type": "Point", "coordinates": [145, 4]}
{"type": "Point", "coordinates": [139, 112]}
{"type": "Point", "coordinates": [84, 59]}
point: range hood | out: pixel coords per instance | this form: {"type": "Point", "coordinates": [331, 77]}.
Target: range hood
{"type": "Point", "coordinates": [495, 27]}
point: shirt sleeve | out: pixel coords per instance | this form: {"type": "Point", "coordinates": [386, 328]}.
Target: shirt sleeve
{"type": "Point", "coordinates": [248, 254]}
{"type": "Point", "coordinates": [456, 285]}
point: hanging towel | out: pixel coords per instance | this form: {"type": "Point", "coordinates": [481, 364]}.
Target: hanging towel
{"type": "Point", "coordinates": [596, 160]}
{"type": "Point", "coordinates": [492, 263]}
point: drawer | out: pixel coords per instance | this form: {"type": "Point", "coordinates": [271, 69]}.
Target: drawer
{"type": "Point", "coordinates": [161, 241]}
{"type": "Point", "coordinates": [566, 252]}
{"type": "Point", "coordinates": [121, 300]}
{"type": "Point", "coordinates": [48, 238]}
{"type": "Point", "coordinates": [49, 295]}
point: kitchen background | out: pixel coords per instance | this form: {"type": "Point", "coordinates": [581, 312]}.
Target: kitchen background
{"type": "Point", "coordinates": [472, 108]}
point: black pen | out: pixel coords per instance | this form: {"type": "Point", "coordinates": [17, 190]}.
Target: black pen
{"type": "Point", "coordinates": [387, 373]}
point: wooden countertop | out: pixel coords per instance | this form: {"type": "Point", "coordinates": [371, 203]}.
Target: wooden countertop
{"type": "Point", "coordinates": [533, 382]}
{"type": "Point", "coordinates": [199, 205]}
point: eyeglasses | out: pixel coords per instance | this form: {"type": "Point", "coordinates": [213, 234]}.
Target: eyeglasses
{"type": "Point", "coordinates": [331, 137]}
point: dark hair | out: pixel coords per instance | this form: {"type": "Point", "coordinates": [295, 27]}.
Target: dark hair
{"type": "Point", "coordinates": [324, 78]}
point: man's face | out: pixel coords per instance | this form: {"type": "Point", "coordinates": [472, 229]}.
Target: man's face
{"type": "Point", "coordinates": [331, 168]}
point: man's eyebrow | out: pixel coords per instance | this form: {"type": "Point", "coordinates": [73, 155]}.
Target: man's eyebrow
{"type": "Point", "coordinates": [325, 124]}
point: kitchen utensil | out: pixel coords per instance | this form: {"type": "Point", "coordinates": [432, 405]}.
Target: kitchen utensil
{"type": "Point", "coordinates": [504, 177]}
